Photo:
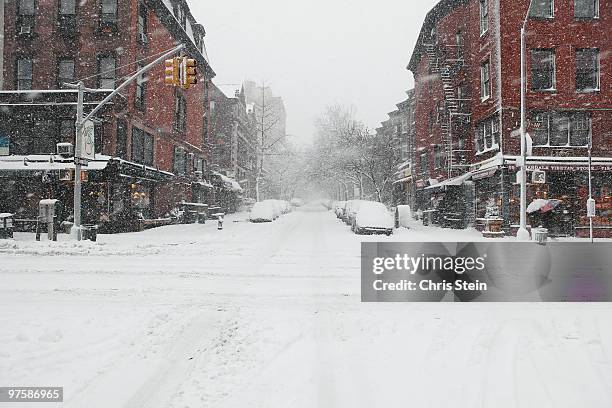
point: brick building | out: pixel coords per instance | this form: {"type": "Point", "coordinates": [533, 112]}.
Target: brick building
{"type": "Point", "coordinates": [234, 136]}
{"type": "Point", "coordinates": [151, 141]}
{"type": "Point", "coordinates": [466, 66]}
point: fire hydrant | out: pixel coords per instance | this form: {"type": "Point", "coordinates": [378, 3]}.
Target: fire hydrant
{"type": "Point", "coordinates": [219, 220]}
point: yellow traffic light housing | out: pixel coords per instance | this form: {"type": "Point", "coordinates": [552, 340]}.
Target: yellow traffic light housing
{"type": "Point", "coordinates": [189, 73]}
{"type": "Point", "coordinates": [172, 73]}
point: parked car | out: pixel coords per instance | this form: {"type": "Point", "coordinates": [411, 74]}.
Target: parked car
{"type": "Point", "coordinates": [373, 218]}
{"type": "Point", "coordinates": [350, 211]}
{"type": "Point", "coordinates": [339, 208]}
{"type": "Point", "coordinates": [263, 211]}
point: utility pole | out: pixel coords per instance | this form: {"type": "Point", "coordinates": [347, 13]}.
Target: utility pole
{"type": "Point", "coordinates": [522, 233]}
{"type": "Point", "coordinates": [80, 127]}
{"type": "Point", "coordinates": [76, 228]}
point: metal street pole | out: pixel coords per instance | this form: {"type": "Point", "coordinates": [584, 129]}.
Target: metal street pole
{"type": "Point", "coordinates": [76, 227]}
{"type": "Point", "coordinates": [590, 184]}
{"type": "Point", "coordinates": [522, 233]}
{"type": "Point", "coordinates": [80, 126]}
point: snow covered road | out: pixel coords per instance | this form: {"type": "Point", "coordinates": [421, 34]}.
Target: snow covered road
{"type": "Point", "coordinates": [269, 315]}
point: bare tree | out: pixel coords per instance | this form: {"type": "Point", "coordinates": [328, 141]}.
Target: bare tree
{"type": "Point", "coordinates": [346, 152]}
{"type": "Point", "coordinates": [268, 118]}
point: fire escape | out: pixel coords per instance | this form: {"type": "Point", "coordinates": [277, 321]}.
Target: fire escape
{"type": "Point", "coordinates": [447, 62]}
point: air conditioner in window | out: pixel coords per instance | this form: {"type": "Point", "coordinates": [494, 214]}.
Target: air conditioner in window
{"type": "Point", "coordinates": [25, 29]}
{"type": "Point", "coordinates": [65, 149]}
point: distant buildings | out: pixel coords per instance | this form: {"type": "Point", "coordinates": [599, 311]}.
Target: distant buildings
{"type": "Point", "coordinates": [234, 138]}
{"type": "Point", "coordinates": [467, 111]}
{"type": "Point", "coordinates": [269, 110]}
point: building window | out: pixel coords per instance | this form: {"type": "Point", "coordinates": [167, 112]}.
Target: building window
{"type": "Point", "coordinates": [424, 164]}
{"type": "Point", "coordinates": [438, 156]}
{"type": "Point", "coordinates": [179, 14]}
{"type": "Point", "coordinates": [543, 70]}
{"type": "Point", "coordinates": [121, 138]}
{"type": "Point", "coordinates": [180, 162]}
{"type": "Point", "coordinates": [542, 9]}
{"type": "Point", "coordinates": [487, 134]}
{"type": "Point", "coordinates": [67, 130]}
{"type": "Point", "coordinates": [485, 80]}
{"type": "Point", "coordinates": [25, 20]}
{"type": "Point", "coordinates": [67, 17]}
{"type": "Point", "coordinates": [587, 69]}
{"type": "Point", "coordinates": [137, 145]}
{"type": "Point", "coordinates": [24, 74]}
{"type": "Point", "coordinates": [142, 23]}
{"type": "Point", "coordinates": [108, 10]}
{"type": "Point", "coordinates": [484, 16]}
{"type": "Point", "coordinates": [560, 129]}
{"type": "Point", "coordinates": [461, 96]}
{"type": "Point", "coordinates": [180, 113]}
{"type": "Point", "coordinates": [459, 44]}
{"type": "Point", "coordinates": [106, 70]}
{"type": "Point", "coordinates": [141, 88]}
{"type": "Point", "coordinates": [586, 8]}
{"type": "Point", "coordinates": [65, 72]}
{"type": "Point", "coordinates": [149, 149]}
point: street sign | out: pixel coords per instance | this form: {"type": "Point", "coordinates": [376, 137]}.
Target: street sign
{"type": "Point", "coordinates": [538, 177]}
{"type": "Point", "coordinates": [88, 147]}
{"type": "Point", "coordinates": [591, 208]}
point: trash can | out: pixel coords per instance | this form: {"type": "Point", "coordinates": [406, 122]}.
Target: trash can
{"type": "Point", "coordinates": [540, 235]}
{"type": "Point", "coordinates": [6, 225]}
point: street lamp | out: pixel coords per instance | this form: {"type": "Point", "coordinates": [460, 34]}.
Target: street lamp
{"type": "Point", "coordinates": [523, 234]}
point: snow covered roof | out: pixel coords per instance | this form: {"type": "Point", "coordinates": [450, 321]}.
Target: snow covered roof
{"type": "Point", "coordinates": [455, 181]}
{"type": "Point", "coordinates": [48, 162]}
{"type": "Point", "coordinates": [234, 185]}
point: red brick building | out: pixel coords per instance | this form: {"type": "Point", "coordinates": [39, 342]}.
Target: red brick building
{"type": "Point", "coordinates": [151, 141]}
{"type": "Point", "coordinates": [467, 72]}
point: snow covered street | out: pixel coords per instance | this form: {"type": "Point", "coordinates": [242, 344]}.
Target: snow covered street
{"type": "Point", "coordinates": [269, 315]}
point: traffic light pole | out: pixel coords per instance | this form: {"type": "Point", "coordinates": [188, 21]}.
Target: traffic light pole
{"type": "Point", "coordinates": [80, 122]}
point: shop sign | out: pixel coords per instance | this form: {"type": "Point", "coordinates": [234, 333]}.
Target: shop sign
{"type": "Point", "coordinates": [561, 167]}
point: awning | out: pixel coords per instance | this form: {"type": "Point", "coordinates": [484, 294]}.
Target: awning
{"type": "Point", "coordinates": [203, 183]}
{"type": "Point", "coordinates": [455, 181]}
{"type": "Point", "coordinates": [230, 183]}
{"type": "Point", "coordinates": [404, 180]}
{"type": "Point", "coordinates": [47, 163]}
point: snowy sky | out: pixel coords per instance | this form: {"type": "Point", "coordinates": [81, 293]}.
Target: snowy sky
{"type": "Point", "coordinates": [316, 53]}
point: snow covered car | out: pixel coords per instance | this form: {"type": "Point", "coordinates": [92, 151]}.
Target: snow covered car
{"type": "Point", "coordinates": [263, 211]}
{"type": "Point", "coordinates": [350, 211]}
{"type": "Point", "coordinates": [339, 208]}
{"type": "Point", "coordinates": [373, 218]}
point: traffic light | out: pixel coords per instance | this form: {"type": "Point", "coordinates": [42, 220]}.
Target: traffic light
{"type": "Point", "coordinates": [172, 72]}
{"type": "Point", "coordinates": [190, 74]}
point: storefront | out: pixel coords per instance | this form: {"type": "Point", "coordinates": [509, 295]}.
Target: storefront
{"type": "Point", "coordinates": [564, 180]}
{"type": "Point", "coordinates": [115, 193]}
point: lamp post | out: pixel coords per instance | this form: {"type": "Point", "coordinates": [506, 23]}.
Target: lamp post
{"type": "Point", "coordinates": [523, 234]}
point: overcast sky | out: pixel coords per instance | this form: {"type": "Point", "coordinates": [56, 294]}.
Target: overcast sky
{"type": "Point", "coordinates": [316, 53]}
